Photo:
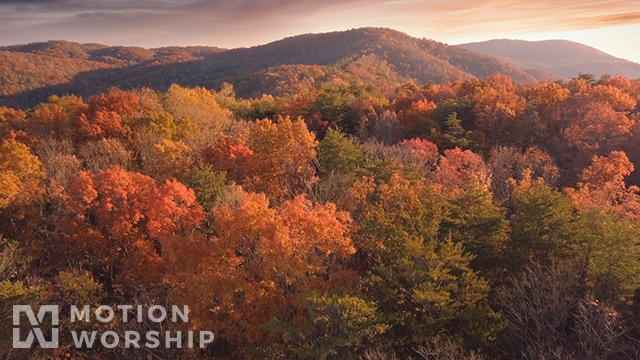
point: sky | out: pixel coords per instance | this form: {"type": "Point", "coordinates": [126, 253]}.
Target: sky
{"type": "Point", "coordinates": [612, 26]}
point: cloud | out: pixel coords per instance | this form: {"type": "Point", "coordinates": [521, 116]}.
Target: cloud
{"type": "Point", "coordinates": [608, 20]}
{"type": "Point", "coordinates": [27, 1]}
{"type": "Point", "coordinates": [230, 23]}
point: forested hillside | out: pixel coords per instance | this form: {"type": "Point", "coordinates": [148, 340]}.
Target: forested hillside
{"type": "Point", "coordinates": [39, 68]}
{"type": "Point", "coordinates": [556, 59]}
{"type": "Point", "coordinates": [367, 56]}
{"type": "Point", "coordinates": [343, 219]}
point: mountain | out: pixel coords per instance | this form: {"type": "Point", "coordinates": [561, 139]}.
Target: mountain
{"type": "Point", "coordinates": [381, 57]}
{"type": "Point", "coordinates": [41, 65]}
{"type": "Point", "coordinates": [555, 58]}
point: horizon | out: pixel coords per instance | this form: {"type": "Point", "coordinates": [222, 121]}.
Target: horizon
{"type": "Point", "coordinates": [607, 25]}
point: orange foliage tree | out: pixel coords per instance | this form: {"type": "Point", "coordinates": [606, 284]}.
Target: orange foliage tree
{"type": "Point", "coordinates": [272, 157]}
{"type": "Point", "coordinates": [602, 185]}
{"type": "Point", "coordinates": [261, 265]}
{"type": "Point", "coordinates": [115, 224]}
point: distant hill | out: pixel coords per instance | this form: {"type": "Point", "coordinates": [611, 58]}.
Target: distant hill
{"type": "Point", "coordinates": [381, 57]}
{"type": "Point", "coordinates": [555, 58]}
{"type": "Point", "coordinates": [39, 66]}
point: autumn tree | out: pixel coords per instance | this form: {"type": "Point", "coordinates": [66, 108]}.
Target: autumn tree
{"type": "Point", "coordinates": [510, 163]}
{"type": "Point", "coordinates": [500, 110]}
{"type": "Point", "coordinates": [197, 115]}
{"type": "Point", "coordinates": [124, 103]}
{"type": "Point", "coordinates": [423, 151]}
{"type": "Point", "coordinates": [547, 99]}
{"type": "Point", "coordinates": [11, 120]}
{"type": "Point", "coordinates": [260, 267]}
{"type": "Point", "coordinates": [417, 119]}
{"type": "Point", "coordinates": [160, 157]}
{"type": "Point", "coordinates": [460, 168]}
{"type": "Point", "coordinates": [601, 129]}
{"type": "Point", "coordinates": [603, 185]}
{"type": "Point", "coordinates": [115, 223]}
{"type": "Point", "coordinates": [272, 157]}
{"type": "Point", "coordinates": [57, 117]}
{"type": "Point", "coordinates": [21, 174]}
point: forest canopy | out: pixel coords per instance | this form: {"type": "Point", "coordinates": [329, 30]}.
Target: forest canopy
{"type": "Point", "coordinates": [468, 219]}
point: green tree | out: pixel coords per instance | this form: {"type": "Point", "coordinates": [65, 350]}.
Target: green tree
{"type": "Point", "coordinates": [340, 154]}
{"type": "Point", "coordinates": [609, 252]}
{"type": "Point", "coordinates": [476, 221]}
{"type": "Point", "coordinates": [541, 223]}
{"type": "Point", "coordinates": [338, 325]}
{"type": "Point", "coordinates": [454, 134]}
{"type": "Point", "coordinates": [209, 185]}
{"type": "Point", "coordinates": [423, 283]}
{"type": "Point", "coordinates": [335, 106]}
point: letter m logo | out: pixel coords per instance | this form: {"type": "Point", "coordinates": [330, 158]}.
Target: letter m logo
{"type": "Point", "coordinates": [18, 343]}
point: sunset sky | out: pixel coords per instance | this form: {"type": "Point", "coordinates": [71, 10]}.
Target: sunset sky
{"type": "Point", "coordinates": [609, 25]}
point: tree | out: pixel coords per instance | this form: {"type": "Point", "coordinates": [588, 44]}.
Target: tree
{"type": "Point", "coordinates": [417, 119]}
{"type": "Point", "coordinates": [542, 224]}
{"type": "Point", "coordinates": [21, 174]}
{"type": "Point", "coordinates": [272, 157]}
{"type": "Point", "coordinates": [162, 158]}
{"type": "Point", "coordinates": [421, 279]}
{"type": "Point", "coordinates": [265, 107]}
{"type": "Point", "coordinates": [11, 119]}
{"type": "Point", "coordinates": [337, 326]}
{"type": "Point", "coordinates": [209, 186]}
{"type": "Point", "coordinates": [586, 77]}
{"type": "Point", "coordinates": [107, 115]}
{"type": "Point", "coordinates": [198, 116]}
{"type": "Point", "coordinates": [338, 153]}
{"type": "Point", "coordinates": [476, 221]}
{"type": "Point", "coordinates": [57, 117]}
{"type": "Point", "coordinates": [115, 224]}
{"type": "Point", "coordinates": [335, 107]}
{"type": "Point", "coordinates": [386, 128]}
{"type": "Point", "coordinates": [600, 130]}
{"type": "Point", "coordinates": [536, 305]}
{"type": "Point", "coordinates": [61, 164]}
{"type": "Point", "coordinates": [602, 185]}
{"type": "Point", "coordinates": [124, 103]}
{"type": "Point", "coordinates": [549, 316]}
{"type": "Point", "coordinates": [340, 163]}
{"type": "Point", "coordinates": [460, 168]}
{"type": "Point", "coordinates": [102, 154]}
{"type": "Point", "coordinates": [609, 253]}
{"type": "Point", "coordinates": [618, 100]}
{"type": "Point", "coordinates": [261, 266]}
{"type": "Point", "coordinates": [500, 112]}
{"type": "Point", "coordinates": [425, 152]}
{"type": "Point", "coordinates": [546, 101]}
{"type": "Point", "coordinates": [454, 134]}
{"type": "Point", "coordinates": [510, 163]}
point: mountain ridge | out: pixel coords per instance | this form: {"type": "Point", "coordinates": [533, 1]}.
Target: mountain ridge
{"type": "Point", "coordinates": [558, 58]}
{"type": "Point", "coordinates": [364, 56]}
